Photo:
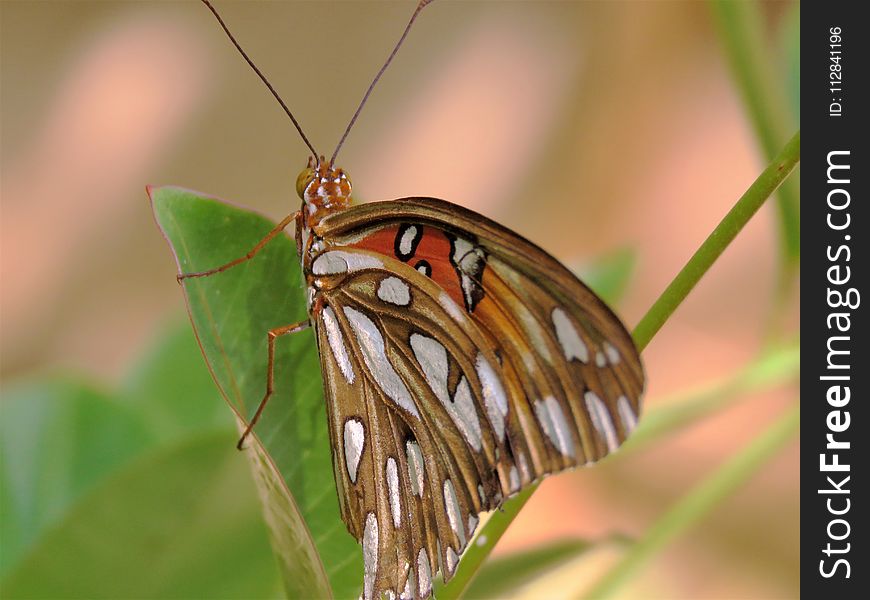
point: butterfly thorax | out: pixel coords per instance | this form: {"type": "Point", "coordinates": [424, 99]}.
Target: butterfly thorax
{"type": "Point", "coordinates": [324, 191]}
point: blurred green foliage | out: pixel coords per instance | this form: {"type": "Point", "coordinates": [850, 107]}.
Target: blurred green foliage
{"type": "Point", "coordinates": [791, 45]}
{"type": "Point", "coordinates": [131, 492]}
{"type": "Point", "coordinates": [501, 576]}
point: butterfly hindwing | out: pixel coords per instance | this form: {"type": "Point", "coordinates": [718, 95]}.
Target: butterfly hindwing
{"type": "Point", "coordinates": [417, 419]}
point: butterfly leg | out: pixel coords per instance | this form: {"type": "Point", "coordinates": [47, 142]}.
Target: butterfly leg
{"type": "Point", "coordinates": [251, 253]}
{"type": "Point", "coordinates": [273, 334]}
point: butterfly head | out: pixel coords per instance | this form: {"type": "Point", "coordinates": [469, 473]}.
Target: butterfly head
{"type": "Point", "coordinates": [323, 189]}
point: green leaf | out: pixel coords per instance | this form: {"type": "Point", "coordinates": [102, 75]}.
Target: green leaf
{"type": "Point", "coordinates": [231, 314]}
{"type": "Point", "coordinates": [182, 522]}
{"type": "Point", "coordinates": [172, 389]}
{"type": "Point", "coordinates": [501, 576]}
{"type": "Point", "coordinates": [302, 569]}
{"type": "Point", "coordinates": [58, 438]}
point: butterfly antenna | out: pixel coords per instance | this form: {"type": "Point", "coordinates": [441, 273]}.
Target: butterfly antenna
{"type": "Point", "coordinates": [260, 75]}
{"type": "Point", "coordinates": [420, 6]}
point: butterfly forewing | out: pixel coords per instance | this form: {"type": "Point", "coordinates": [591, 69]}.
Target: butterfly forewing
{"type": "Point", "coordinates": [461, 363]}
{"type": "Point", "coordinates": [581, 373]}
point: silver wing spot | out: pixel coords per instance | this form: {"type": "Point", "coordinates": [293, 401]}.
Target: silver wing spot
{"type": "Point", "coordinates": [571, 342]}
{"type": "Point", "coordinates": [338, 261]}
{"type": "Point", "coordinates": [424, 573]}
{"type": "Point", "coordinates": [601, 420]}
{"type": "Point", "coordinates": [626, 414]}
{"type": "Point", "coordinates": [432, 357]}
{"type": "Point", "coordinates": [612, 353]}
{"type": "Point", "coordinates": [370, 555]}
{"type": "Point", "coordinates": [394, 291]}
{"type": "Point", "coordinates": [393, 488]}
{"type": "Point", "coordinates": [494, 397]}
{"type": "Point", "coordinates": [553, 422]}
{"type": "Point", "coordinates": [451, 504]}
{"type": "Point", "coordinates": [336, 344]}
{"type": "Point", "coordinates": [371, 343]}
{"type": "Point", "coordinates": [415, 467]}
{"type": "Point", "coordinates": [354, 441]}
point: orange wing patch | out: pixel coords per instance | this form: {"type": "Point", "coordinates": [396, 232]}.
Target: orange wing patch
{"type": "Point", "coordinates": [427, 249]}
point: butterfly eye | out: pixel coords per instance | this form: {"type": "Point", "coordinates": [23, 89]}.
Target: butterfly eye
{"type": "Point", "coordinates": [305, 177]}
{"type": "Point", "coordinates": [347, 178]}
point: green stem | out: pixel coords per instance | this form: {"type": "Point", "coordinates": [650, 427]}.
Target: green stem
{"type": "Point", "coordinates": [699, 502]}
{"type": "Point", "coordinates": [760, 81]}
{"type": "Point", "coordinates": [741, 28]}
{"type": "Point", "coordinates": [725, 232]}
{"type": "Point", "coordinates": [670, 299]}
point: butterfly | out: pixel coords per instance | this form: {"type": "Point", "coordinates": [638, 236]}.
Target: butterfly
{"type": "Point", "coordinates": [460, 361]}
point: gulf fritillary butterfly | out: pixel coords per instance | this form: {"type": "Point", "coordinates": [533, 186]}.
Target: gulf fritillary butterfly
{"type": "Point", "coordinates": [460, 363]}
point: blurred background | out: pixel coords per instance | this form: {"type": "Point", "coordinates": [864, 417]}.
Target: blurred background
{"type": "Point", "coordinates": [591, 128]}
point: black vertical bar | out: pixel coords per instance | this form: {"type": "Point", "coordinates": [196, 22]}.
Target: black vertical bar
{"type": "Point", "coordinates": [835, 63]}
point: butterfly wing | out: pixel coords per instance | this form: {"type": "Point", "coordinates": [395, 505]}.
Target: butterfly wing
{"type": "Point", "coordinates": [417, 411]}
{"type": "Point", "coordinates": [475, 356]}
{"type": "Point", "coordinates": [571, 354]}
